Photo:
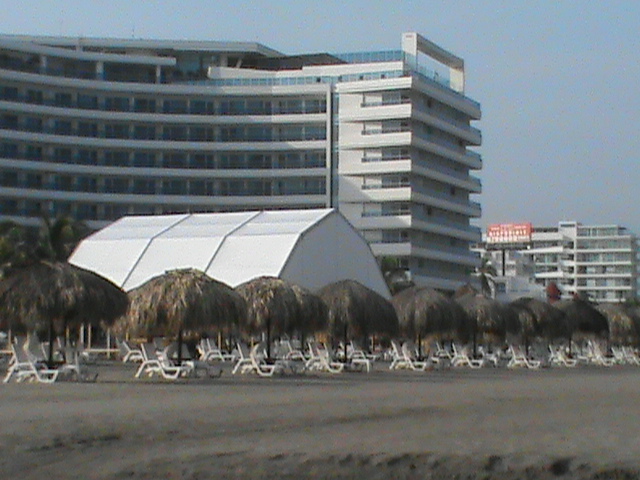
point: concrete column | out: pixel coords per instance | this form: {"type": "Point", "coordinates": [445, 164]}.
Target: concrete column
{"type": "Point", "coordinates": [100, 70]}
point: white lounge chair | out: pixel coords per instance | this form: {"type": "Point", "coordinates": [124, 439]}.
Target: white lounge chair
{"type": "Point", "coordinates": [559, 357]}
{"type": "Point", "coordinates": [74, 368]}
{"type": "Point", "coordinates": [152, 364]}
{"type": "Point", "coordinates": [24, 368]}
{"type": "Point", "coordinates": [597, 356]}
{"type": "Point", "coordinates": [129, 353]}
{"type": "Point", "coordinates": [462, 358]}
{"type": "Point", "coordinates": [320, 360]}
{"type": "Point", "coordinates": [519, 359]}
{"type": "Point", "coordinates": [209, 351]}
{"type": "Point", "coordinates": [398, 361]}
{"type": "Point", "coordinates": [289, 352]}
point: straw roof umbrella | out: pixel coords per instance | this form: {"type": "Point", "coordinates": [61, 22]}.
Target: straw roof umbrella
{"type": "Point", "coordinates": [179, 300]}
{"type": "Point", "coordinates": [551, 322]}
{"type": "Point", "coordinates": [582, 317]}
{"type": "Point", "coordinates": [53, 295]}
{"type": "Point", "coordinates": [487, 317]}
{"type": "Point", "coordinates": [423, 311]}
{"type": "Point", "coordinates": [313, 310]}
{"type": "Point", "coordinates": [527, 320]}
{"type": "Point", "coordinates": [272, 306]}
{"type": "Point", "coordinates": [357, 311]}
{"type": "Point", "coordinates": [623, 322]}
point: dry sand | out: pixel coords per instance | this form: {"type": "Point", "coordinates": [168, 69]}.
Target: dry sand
{"type": "Point", "coordinates": [487, 424]}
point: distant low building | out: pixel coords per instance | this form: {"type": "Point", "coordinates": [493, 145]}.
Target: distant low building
{"type": "Point", "coordinates": [594, 261]}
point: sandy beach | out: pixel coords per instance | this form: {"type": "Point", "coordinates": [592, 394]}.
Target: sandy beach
{"type": "Point", "coordinates": [486, 424]}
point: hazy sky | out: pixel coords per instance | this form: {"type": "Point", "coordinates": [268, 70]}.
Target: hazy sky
{"type": "Point", "coordinates": [559, 82]}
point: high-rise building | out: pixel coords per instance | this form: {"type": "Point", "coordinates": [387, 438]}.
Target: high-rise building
{"type": "Point", "coordinates": [594, 261]}
{"type": "Point", "coordinates": [100, 128]}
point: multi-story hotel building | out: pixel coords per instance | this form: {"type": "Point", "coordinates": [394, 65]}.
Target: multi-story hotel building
{"type": "Point", "coordinates": [596, 261]}
{"type": "Point", "coordinates": [101, 128]}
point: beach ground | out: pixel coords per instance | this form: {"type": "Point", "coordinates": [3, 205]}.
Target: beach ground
{"type": "Point", "coordinates": [484, 424]}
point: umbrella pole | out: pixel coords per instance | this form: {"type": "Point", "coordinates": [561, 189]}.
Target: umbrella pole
{"type": "Point", "coordinates": [475, 344]}
{"type": "Point", "coordinates": [179, 347]}
{"type": "Point", "coordinates": [50, 359]}
{"type": "Point", "coordinates": [419, 347]}
{"type": "Point", "coordinates": [269, 338]}
{"type": "Point", "coordinates": [345, 343]}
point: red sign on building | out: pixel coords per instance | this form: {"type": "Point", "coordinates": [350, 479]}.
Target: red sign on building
{"type": "Point", "coordinates": [509, 233]}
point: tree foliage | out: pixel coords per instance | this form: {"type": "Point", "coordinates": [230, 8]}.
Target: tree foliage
{"type": "Point", "coordinates": [22, 245]}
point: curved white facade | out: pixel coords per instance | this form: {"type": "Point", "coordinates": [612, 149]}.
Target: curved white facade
{"type": "Point", "coordinates": [103, 128]}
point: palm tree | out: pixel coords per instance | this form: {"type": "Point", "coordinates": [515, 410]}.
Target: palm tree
{"type": "Point", "coordinates": [396, 277]}
{"type": "Point", "coordinates": [54, 241]}
{"type": "Point", "coordinates": [487, 274]}
{"type": "Point", "coordinates": [59, 238]}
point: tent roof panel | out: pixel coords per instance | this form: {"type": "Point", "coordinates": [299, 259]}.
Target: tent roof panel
{"type": "Point", "coordinates": [137, 227]}
{"type": "Point", "coordinates": [241, 258]}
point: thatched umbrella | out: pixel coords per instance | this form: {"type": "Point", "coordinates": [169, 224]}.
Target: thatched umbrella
{"type": "Point", "coordinates": [313, 310]}
{"type": "Point", "coordinates": [272, 307]}
{"type": "Point", "coordinates": [527, 320]}
{"type": "Point", "coordinates": [53, 295]}
{"type": "Point", "coordinates": [624, 323]}
{"type": "Point", "coordinates": [179, 300]}
{"type": "Point", "coordinates": [583, 317]}
{"type": "Point", "coordinates": [357, 311]}
{"type": "Point", "coordinates": [551, 322]}
{"type": "Point", "coordinates": [487, 317]}
{"type": "Point", "coordinates": [423, 311]}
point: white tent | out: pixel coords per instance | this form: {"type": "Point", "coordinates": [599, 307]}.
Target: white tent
{"type": "Point", "coordinates": [308, 247]}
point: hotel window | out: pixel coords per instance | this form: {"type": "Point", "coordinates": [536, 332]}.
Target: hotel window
{"type": "Point", "coordinates": [87, 101]}
{"type": "Point", "coordinates": [9, 93]}
{"type": "Point", "coordinates": [34, 96]}
{"type": "Point", "coordinates": [116, 158]}
{"type": "Point", "coordinates": [175, 160]}
{"type": "Point", "coordinates": [116, 185]}
{"type": "Point", "coordinates": [177, 133]}
{"type": "Point", "coordinates": [144, 186]}
{"type": "Point", "coordinates": [33, 124]}
{"type": "Point", "coordinates": [120, 104]}
{"type": "Point", "coordinates": [87, 184]}
{"type": "Point", "coordinates": [144, 159]}
{"type": "Point", "coordinates": [62, 127]}
{"type": "Point", "coordinates": [144, 132]}
{"type": "Point", "coordinates": [144, 105]}
{"type": "Point", "coordinates": [88, 157]}
{"type": "Point", "coordinates": [175, 106]}
{"type": "Point", "coordinates": [62, 99]}
{"type": "Point", "coordinates": [87, 129]}
{"type": "Point", "coordinates": [116, 130]}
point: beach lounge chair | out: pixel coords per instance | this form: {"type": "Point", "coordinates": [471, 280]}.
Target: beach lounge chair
{"type": "Point", "coordinates": [462, 358]}
{"type": "Point", "coordinates": [597, 356]}
{"type": "Point", "coordinates": [209, 351]}
{"type": "Point", "coordinates": [398, 360]}
{"type": "Point", "coordinates": [630, 355]}
{"type": "Point", "coordinates": [74, 368]}
{"type": "Point", "coordinates": [519, 359]}
{"type": "Point", "coordinates": [411, 359]}
{"type": "Point", "coordinates": [260, 365]}
{"type": "Point", "coordinates": [152, 364]}
{"type": "Point", "coordinates": [129, 353]}
{"type": "Point", "coordinates": [357, 358]}
{"type": "Point", "coordinates": [243, 362]}
{"type": "Point", "coordinates": [559, 357]}
{"type": "Point", "coordinates": [24, 368]}
{"type": "Point", "coordinates": [288, 352]}
{"type": "Point", "coordinates": [320, 359]}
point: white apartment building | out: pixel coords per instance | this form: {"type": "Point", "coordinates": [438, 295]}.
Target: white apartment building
{"type": "Point", "coordinates": [102, 128]}
{"type": "Point", "coordinates": [597, 261]}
